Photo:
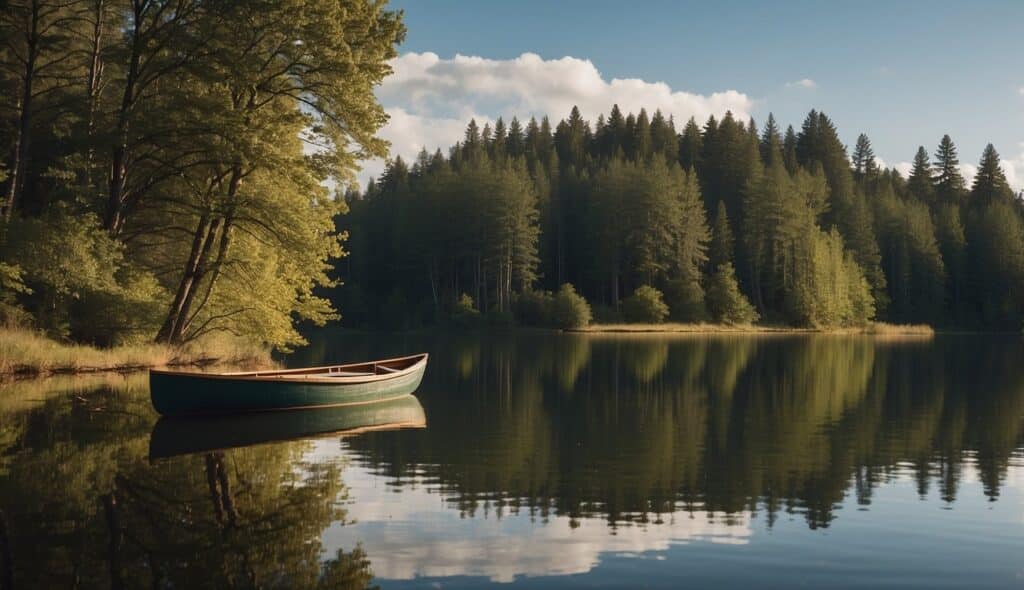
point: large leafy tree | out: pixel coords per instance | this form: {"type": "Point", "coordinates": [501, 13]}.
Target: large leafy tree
{"type": "Point", "coordinates": [200, 137]}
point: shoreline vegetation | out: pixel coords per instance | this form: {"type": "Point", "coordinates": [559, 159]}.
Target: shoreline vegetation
{"type": "Point", "coordinates": [26, 353]}
{"type": "Point", "coordinates": [871, 329]}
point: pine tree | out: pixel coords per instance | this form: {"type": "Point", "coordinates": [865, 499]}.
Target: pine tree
{"type": "Point", "coordinates": [990, 182]}
{"type": "Point", "coordinates": [663, 137]}
{"type": "Point", "coordinates": [515, 138]}
{"type": "Point", "coordinates": [920, 184]}
{"type": "Point", "coordinates": [864, 166]}
{"type": "Point", "coordinates": [771, 142]}
{"type": "Point", "coordinates": [789, 150]}
{"type": "Point", "coordinates": [641, 137]}
{"type": "Point", "coordinates": [725, 301]}
{"type": "Point", "coordinates": [691, 147]}
{"type": "Point", "coordinates": [949, 183]}
{"type": "Point", "coordinates": [722, 242]}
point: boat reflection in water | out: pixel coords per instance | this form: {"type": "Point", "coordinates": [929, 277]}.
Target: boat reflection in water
{"type": "Point", "coordinates": [186, 435]}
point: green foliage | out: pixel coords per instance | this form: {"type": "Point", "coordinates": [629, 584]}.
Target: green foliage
{"type": "Point", "coordinates": [722, 248]}
{"type": "Point", "coordinates": [832, 290]}
{"type": "Point", "coordinates": [995, 237]}
{"type": "Point", "coordinates": [464, 313]}
{"type": "Point", "coordinates": [171, 194]}
{"type": "Point", "coordinates": [686, 300]}
{"type": "Point", "coordinates": [645, 306]}
{"type": "Point", "coordinates": [77, 281]}
{"type": "Point", "coordinates": [12, 314]}
{"type": "Point", "coordinates": [725, 301]}
{"type": "Point", "coordinates": [534, 308]}
{"type": "Point", "coordinates": [570, 310]}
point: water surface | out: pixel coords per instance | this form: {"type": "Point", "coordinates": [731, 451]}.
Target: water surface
{"type": "Point", "coordinates": [545, 461]}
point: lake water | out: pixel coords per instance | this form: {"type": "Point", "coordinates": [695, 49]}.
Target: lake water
{"type": "Point", "coordinates": [543, 460]}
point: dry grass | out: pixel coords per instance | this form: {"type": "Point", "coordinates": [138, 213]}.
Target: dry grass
{"type": "Point", "coordinates": [24, 352]}
{"type": "Point", "coordinates": [701, 328]}
{"type": "Point", "coordinates": [873, 328]}
{"type": "Point", "coordinates": [884, 329]}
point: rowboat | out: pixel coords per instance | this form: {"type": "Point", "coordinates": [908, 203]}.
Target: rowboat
{"type": "Point", "coordinates": [178, 393]}
{"type": "Point", "coordinates": [183, 435]}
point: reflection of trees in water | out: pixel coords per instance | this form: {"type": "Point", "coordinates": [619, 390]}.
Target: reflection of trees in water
{"type": "Point", "coordinates": [84, 507]}
{"type": "Point", "coordinates": [721, 424]}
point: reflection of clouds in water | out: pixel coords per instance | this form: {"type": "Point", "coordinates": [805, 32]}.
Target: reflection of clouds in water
{"type": "Point", "coordinates": [416, 533]}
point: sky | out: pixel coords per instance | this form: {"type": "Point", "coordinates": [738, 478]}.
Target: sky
{"type": "Point", "coordinates": [904, 73]}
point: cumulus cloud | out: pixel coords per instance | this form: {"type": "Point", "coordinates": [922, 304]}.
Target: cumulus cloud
{"type": "Point", "coordinates": [1013, 166]}
{"type": "Point", "coordinates": [805, 83]}
{"type": "Point", "coordinates": [430, 99]}
{"type": "Point", "coordinates": [419, 533]}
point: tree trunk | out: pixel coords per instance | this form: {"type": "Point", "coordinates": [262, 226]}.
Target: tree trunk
{"type": "Point", "coordinates": [166, 332]}
{"type": "Point", "coordinates": [113, 221]}
{"type": "Point", "coordinates": [187, 315]}
{"type": "Point", "coordinates": [19, 149]}
{"type": "Point", "coordinates": [201, 268]}
{"type": "Point", "coordinates": [93, 86]}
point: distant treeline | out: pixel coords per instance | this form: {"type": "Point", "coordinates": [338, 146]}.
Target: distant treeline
{"type": "Point", "coordinates": [810, 234]}
{"type": "Point", "coordinates": [163, 163]}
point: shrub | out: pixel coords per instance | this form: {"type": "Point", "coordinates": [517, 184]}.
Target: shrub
{"type": "Point", "coordinates": [534, 308]}
{"type": "Point", "coordinates": [725, 301]}
{"type": "Point", "coordinates": [464, 313]}
{"type": "Point", "coordinates": [570, 310]}
{"type": "Point", "coordinates": [645, 306]}
{"type": "Point", "coordinates": [685, 299]}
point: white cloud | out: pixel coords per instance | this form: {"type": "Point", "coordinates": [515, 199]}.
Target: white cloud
{"type": "Point", "coordinates": [430, 99]}
{"type": "Point", "coordinates": [805, 83]}
{"type": "Point", "coordinates": [1013, 168]}
{"type": "Point", "coordinates": [904, 168]}
{"type": "Point", "coordinates": [420, 533]}
{"type": "Point", "coordinates": [1020, 91]}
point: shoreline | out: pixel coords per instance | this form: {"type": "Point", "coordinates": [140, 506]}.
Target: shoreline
{"type": "Point", "coordinates": [872, 329]}
{"type": "Point", "coordinates": [25, 354]}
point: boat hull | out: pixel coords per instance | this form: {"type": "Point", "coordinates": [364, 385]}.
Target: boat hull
{"type": "Point", "coordinates": [192, 393]}
{"type": "Point", "coordinates": [199, 434]}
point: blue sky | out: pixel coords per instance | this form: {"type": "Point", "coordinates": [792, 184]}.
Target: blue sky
{"type": "Point", "coordinates": [902, 72]}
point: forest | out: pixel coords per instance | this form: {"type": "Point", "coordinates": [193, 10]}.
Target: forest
{"type": "Point", "coordinates": [165, 164]}
{"type": "Point", "coordinates": [727, 222]}
{"type": "Point", "coordinates": [171, 170]}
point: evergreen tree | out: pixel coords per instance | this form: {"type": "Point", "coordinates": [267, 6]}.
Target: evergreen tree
{"type": "Point", "coordinates": [990, 182]}
{"type": "Point", "coordinates": [864, 166]}
{"type": "Point", "coordinates": [725, 301]}
{"type": "Point", "coordinates": [921, 184]}
{"type": "Point", "coordinates": [722, 242]}
{"type": "Point", "coordinates": [691, 147]}
{"type": "Point", "coordinates": [789, 150]}
{"type": "Point", "coordinates": [771, 142]}
{"type": "Point", "coordinates": [949, 183]}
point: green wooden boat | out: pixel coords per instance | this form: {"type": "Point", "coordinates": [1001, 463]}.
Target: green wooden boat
{"type": "Point", "coordinates": [186, 435]}
{"type": "Point", "coordinates": [179, 393]}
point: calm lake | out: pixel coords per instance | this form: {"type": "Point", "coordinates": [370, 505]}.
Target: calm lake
{"type": "Point", "coordinates": [543, 460]}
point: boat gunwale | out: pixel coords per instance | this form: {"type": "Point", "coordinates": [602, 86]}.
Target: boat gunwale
{"type": "Point", "coordinates": [310, 375]}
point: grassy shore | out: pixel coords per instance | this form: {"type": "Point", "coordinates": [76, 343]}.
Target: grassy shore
{"type": "Point", "coordinates": [873, 328]}
{"type": "Point", "coordinates": [24, 352]}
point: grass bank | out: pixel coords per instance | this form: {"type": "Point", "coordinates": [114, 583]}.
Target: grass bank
{"type": "Point", "coordinates": [873, 328]}
{"type": "Point", "coordinates": [25, 353]}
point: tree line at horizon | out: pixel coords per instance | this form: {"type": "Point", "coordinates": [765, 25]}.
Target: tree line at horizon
{"type": "Point", "coordinates": [163, 163]}
{"type": "Point", "coordinates": [726, 222]}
